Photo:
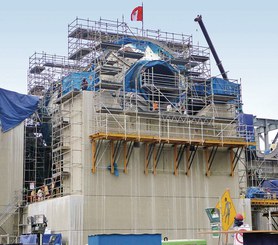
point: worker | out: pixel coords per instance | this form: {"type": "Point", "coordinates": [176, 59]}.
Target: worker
{"type": "Point", "coordinates": [238, 220]}
{"type": "Point", "coordinates": [40, 194]}
{"type": "Point", "coordinates": [239, 225]}
{"type": "Point", "coordinates": [155, 106]}
{"type": "Point", "coordinates": [53, 188]}
{"type": "Point", "coordinates": [33, 195]}
{"type": "Point", "coordinates": [46, 191]}
{"type": "Point", "coordinates": [84, 84]}
{"type": "Point", "coordinates": [169, 108]}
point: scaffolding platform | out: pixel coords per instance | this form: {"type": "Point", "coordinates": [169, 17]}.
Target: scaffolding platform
{"type": "Point", "coordinates": [79, 33]}
{"type": "Point", "coordinates": [110, 70]}
{"type": "Point", "coordinates": [108, 45]}
{"type": "Point", "coordinates": [110, 110]}
{"type": "Point", "coordinates": [130, 54]}
{"type": "Point", "coordinates": [60, 65]}
{"type": "Point", "coordinates": [264, 202]}
{"type": "Point", "coordinates": [62, 148]}
{"type": "Point", "coordinates": [61, 124]}
{"type": "Point", "coordinates": [37, 69]}
{"type": "Point", "coordinates": [169, 140]}
{"type": "Point", "coordinates": [192, 73]}
{"type": "Point", "coordinates": [273, 214]}
{"type": "Point", "coordinates": [96, 34]}
{"type": "Point", "coordinates": [170, 87]}
{"type": "Point", "coordinates": [80, 53]}
{"type": "Point", "coordinates": [67, 96]}
{"type": "Point", "coordinates": [199, 58]}
{"type": "Point", "coordinates": [221, 98]}
{"type": "Point", "coordinates": [196, 79]}
{"type": "Point", "coordinates": [63, 174]}
{"type": "Point", "coordinates": [103, 84]}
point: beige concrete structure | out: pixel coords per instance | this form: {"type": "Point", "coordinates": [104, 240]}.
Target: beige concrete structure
{"type": "Point", "coordinates": [149, 146]}
{"type": "Point", "coordinates": [11, 165]}
{"type": "Point", "coordinates": [133, 202]}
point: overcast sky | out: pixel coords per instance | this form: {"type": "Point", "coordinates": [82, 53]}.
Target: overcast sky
{"type": "Point", "coordinates": [244, 33]}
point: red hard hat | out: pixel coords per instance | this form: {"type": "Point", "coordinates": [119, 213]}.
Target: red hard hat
{"type": "Point", "coordinates": [239, 217]}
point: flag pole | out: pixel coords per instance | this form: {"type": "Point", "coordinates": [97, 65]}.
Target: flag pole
{"type": "Point", "coordinates": [142, 20]}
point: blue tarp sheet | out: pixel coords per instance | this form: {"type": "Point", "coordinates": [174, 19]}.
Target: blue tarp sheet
{"type": "Point", "coordinates": [73, 81]}
{"type": "Point", "coordinates": [218, 86]}
{"type": "Point", "coordinates": [246, 126]}
{"type": "Point", "coordinates": [271, 186]}
{"type": "Point", "coordinates": [255, 192]}
{"type": "Point", "coordinates": [29, 239]}
{"type": "Point", "coordinates": [124, 239]}
{"type": "Point", "coordinates": [15, 107]}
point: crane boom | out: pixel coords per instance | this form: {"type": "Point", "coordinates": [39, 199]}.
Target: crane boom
{"type": "Point", "coordinates": [217, 60]}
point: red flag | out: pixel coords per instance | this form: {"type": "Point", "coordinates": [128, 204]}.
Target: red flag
{"type": "Point", "coordinates": [137, 14]}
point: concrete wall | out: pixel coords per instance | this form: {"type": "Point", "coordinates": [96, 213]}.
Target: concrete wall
{"type": "Point", "coordinates": [168, 204]}
{"type": "Point", "coordinates": [11, 165]}
{"type": "Point", "coordinates": [139, 203]}
{"type": "Point", "coordinates": [64, 215]}
{"type": "Point", "coordinates": [135, 203]}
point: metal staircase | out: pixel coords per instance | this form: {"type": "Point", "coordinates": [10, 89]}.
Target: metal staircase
{"type": "Point", "coordinates": [11, 209]}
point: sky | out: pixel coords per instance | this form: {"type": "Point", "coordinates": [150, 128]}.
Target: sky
{"type": "Point", "coordinates": [244, 34]}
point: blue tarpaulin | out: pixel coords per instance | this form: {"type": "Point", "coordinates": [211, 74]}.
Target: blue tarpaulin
{"type": "Point", "coordinates": [124, 239]}
{"type": "Point", "coordinates": [218, 86]}
{"type": "Point", "coordinates": [30, 239]}
{"type": "Point", "coordinates": [246, 127]}
{"type": "Point", "coordinates": [271, 186]}
{"type": "Point", "coordinates": [15, 107]}
{"type": "Point", "coordinates": [255, 192]}
{"type": "Point", "coordinates": [74, 80]}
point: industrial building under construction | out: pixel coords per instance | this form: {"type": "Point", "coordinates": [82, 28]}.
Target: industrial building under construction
{"type": "Point", "coordinates": [133, 134]}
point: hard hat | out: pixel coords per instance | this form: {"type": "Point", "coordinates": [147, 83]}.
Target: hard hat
{"type": "Point", "coordinates": [239, 217]}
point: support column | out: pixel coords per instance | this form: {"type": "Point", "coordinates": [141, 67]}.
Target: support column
{"type": "Point", "coordinates": [112, 156]}
{"type": "Point", "coordinates": [207, 161]}
{"type": "Point", "coordinates": [175, 160]}
{"type": "Point", "coordinates": [146, 158]}
{"type": "Point", "coordinates": [154, 160]}
{"type": "Point", "coordinates": [187, 157]}
{"type": "Point", "coordinates": [125, 157]}
{"type": "Point", "coordinates": [232, 158]}
{"type": "Point", "coordinates": [93, 156]}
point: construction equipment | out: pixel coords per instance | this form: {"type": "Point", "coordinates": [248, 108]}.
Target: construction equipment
{"type": "Point", "coordinates": [217, 60]}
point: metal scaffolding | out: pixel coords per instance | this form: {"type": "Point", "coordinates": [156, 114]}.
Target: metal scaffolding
{"type": "Point", "coordinates": [44, 80]}
{"type": "Point", "coordinates": [159, 92]}
{"type": "Point", "coordinates": [158, 107]}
